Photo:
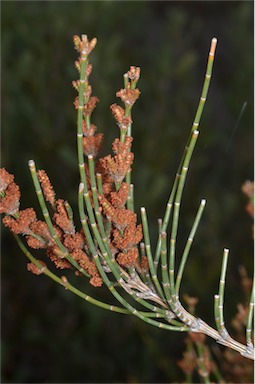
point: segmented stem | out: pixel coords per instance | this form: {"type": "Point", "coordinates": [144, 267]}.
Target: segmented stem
{"type": "Point", "coordinates": [177, 211]}
{"type": "Point", "coordinates": [194, 127]}
{"type": "Point", "coordinates": [188, 246]}
{"type": "Point", "coordinates": [250, 321]}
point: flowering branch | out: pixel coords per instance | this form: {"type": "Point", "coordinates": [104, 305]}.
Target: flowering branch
{"type": "Point", "coordinates": [108, 247]}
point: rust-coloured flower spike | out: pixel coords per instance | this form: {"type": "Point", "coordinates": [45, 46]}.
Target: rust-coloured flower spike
{"type": "Point", "coordinates": [57, 258]}
{"type": "Point", "coordinates": [5, 179]}
{"type": "Point", "coordinates": [144, 264]}
{"type": "Point", "coordinates": [118, 112]}
{"type": "Point", "coordinates": [10, 201]}
{"type": "Point", "coordinates": [119, 115]}
{"type": "Point", "coordinates": [47, 188]}
{"type": "Point", "coordinates": [61, 218]}
{"type": "Point", "coordinates": [92, 144]}
{"type": "Point", "coordinates": [134, 73]}
{"type": "Point", "coordinates": [90, 106]}
{"type": "Point", "coordinates": [118, 199]}
{"type": "Point", "coordinates": [89, 266]}
{"type": "Point", "coordinates": [128, 95]}
{"type": "Point", "coordinates": [131, 236]}
{"type": "Point", "coordinates": [88, 130]}
{"type": "Point", "coordinates": [40, 229]}
{"type": "Point", "coordinates": [83, 45]}
{"type": "Point", "coordinates": [129, 258]}
{"type": "Point", "coordinates": [21, 224]}
{"type": "Point", "coordinates": [36, 270]}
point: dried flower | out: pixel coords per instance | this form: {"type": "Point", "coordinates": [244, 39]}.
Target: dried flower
{"type": "Point", "coordinates": [128, 258]}
{"type": "Point", "coordinates": [144, 264]}
{"type": "Point", "coordinates": [118, 166]}
{"type": "Point", "coordinates": [9, 203]}
{"type": "Point", "coordinates": [21, 224]}
{"type": "Point", "coordinates": [92, 144]}
{"type": "Point", "coordinates": [5, 179]}
{"type": "Point", "coordinates": [89, 266]}
{"type": "Point", "coordinates": [61, 217]}
{"type": "Point", "coordinates": [118, 199]}
{"type": "Point", "coordinates": [128, 95]}
{"type": "Point", "coordinates": [57, 257]}
{"type": "Point", "coordinates": [74, 241]}
{"type": "Point", "coordinates": [88, 130]}
{"type": "Point", "coordinates": [134, 73]}
{"type": "Point", "coordinates": [47, 188]}
{"type": "Point", "coordinates": [131, 236]}
{"type": "Point", "coordinates": [83, 45]}
{"type": "Point", "coordinates": [31, 267]}
{"type": "Point", "coordinates": [89, 107]}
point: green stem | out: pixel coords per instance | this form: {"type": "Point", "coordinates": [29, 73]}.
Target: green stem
{"type": "Point", "coordinates": [110, 286]}
{"type": "Point", "coordinates": [67, 285]}
{"type": "Point", "coordinates": [149, 254]}
{"type": "Point", "coordinates": [48, 221]}
{"type": "Point", "coordinates": [194, 127]}
{"type": "Point", "coordinates": [250, 319]}
{"type": "Point", "coordinates": [188, 246]}
{"type": "Point", "coordinates": [177, 211]}
{"type": "Point", "coordinates": [222, 289]}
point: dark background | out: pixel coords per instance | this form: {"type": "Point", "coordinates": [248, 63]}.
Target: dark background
{"type": "Point", "coordinates": [49, 335]}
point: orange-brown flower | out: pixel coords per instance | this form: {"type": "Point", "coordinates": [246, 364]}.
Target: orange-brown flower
{"type": "Point", "coordinates": [92, 144]}
{"type": "Point", "coordinates": [9, 203]}
{"type": "Point", "coordinates": [42, 238]}
{"type": "Point", "coordinates": [128, 95]}
{"type": "Point", "coordinates": [89, 107]}
{"type": "Point", "coordinates": [119, 198]}
{"type": "Point", "coordinates": [128, 258]}
{"type": "Point", "coordinates": [89, 266]}
{"type": "Point", "coordinates": [88, 130]}
{"type": "Point", "coordinates": [5, 179]}
{"type": "Point", "coordinates": [134, 73]}
{"type": "Point", "coordinates": [31, 267]}
{"type": "Point", "coordinates": [47, 188]}
{"type": "Point", "coordinates": [75, 241]}
{"type": "Point", "coordinates": [83, 45]}
{"type": "Point", "coordinates": [21, 224]}
{"type": "Point", "coordinates": [61, 217]}
{"type": "Point", "coordinates": [119, 115]}
{"type": "Point", "coordinates": [131, 236]}
{"type": "Point", "coordinates": [144, 264]}
{"type": "Point", "coordinates": [57, 257]}
{"type": "Point", "coordinates": [118, 166]}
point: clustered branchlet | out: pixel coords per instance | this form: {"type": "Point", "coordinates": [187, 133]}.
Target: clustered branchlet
{"type": "Point", "coordinates": [107, 248]}
{"type": "Point", "coordinates": [123, 232]}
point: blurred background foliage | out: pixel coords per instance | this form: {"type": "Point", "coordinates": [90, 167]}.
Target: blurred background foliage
{"type": "Point", "coordinates": [48, 335]}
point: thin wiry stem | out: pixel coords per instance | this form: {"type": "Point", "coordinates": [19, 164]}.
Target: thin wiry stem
{"type": "Point", "coordinates": [68, 286]}
{"type": "Point", "coordinates": [222, 329]}
{"type": "Point", "coordinates": [250, 321]}
{"type": "Point", "coordinates": [177, 211]}
{"type": "Point", "coordinates": [148, 252]}
{"type": "Point", "coordinates": [194, 127]}
{"type": "Point", "coordinates": [188, 246]}
{"type": "Point", "coordinates": [48, 221]}
{"type": "Point", "coordinates": [110, 286]}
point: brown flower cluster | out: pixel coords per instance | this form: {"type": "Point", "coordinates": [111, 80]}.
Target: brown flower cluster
{"type": "Point", "coordinates": [9, 193]}
{"type": "Point", "coordinates": [122, 230]}
{"type": "Point", "coordinates": [118, 165]}
{"type": "Point", "coordinates": [83, 45]}
{"type": "Point", "coordinates": [91, 141]}
{"type": "Point", "coordinates": [36, 232]}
